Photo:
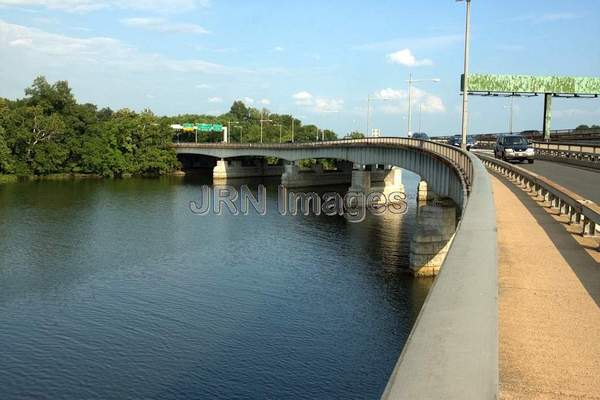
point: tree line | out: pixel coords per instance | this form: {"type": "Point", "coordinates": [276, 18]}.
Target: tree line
{"type": "Point", "coordinates": [49, 132]}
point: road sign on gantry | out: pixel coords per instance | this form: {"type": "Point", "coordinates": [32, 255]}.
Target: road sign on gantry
{"type": "Point", "coordinates": [522, 85]}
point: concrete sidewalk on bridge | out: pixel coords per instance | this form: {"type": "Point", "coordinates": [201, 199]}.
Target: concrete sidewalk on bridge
{"type": "Point", "coordinates": [549, 301]}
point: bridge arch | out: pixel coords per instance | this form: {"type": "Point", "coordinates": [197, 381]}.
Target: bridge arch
{"type": "Point", "coordinates": [446, 169]}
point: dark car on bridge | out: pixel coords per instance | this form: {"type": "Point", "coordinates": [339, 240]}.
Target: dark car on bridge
{"type": "Point", "coordinates": [514, 148]}
{"type": "Point", "coordinates": [456, 141]}
{"type": "Point", "coordinates": [420, 136]}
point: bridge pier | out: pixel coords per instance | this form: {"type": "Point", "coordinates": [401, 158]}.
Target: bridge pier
{"type": "Point", "coordinates": [392, 182]}
{"type": "Point", "coordinates": [423, 192]}
{"type": "Point", "coordinates": [436, 225]}
{"type": "Point", "coordinates": [368, 179]}
{"type": "Point", "coordinates": [361, 179]}
{"type": "Point", "coordinates": [233, 169]}
{"type": "Point", "coordinates": [294, 177]}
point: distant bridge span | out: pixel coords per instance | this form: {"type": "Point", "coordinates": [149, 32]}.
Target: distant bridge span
{"type": "Point", "coordinates": [447, 170]}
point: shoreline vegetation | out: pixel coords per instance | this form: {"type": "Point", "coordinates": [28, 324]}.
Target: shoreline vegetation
{"type": "Point", "coordinates": [48, 134]}
{"type": "Point", "coordinates": [77, 176]}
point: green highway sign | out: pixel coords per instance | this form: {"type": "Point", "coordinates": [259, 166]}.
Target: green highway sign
{"type": "Point", "coordinates": [209, 127]}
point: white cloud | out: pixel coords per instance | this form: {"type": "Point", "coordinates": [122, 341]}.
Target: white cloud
{"type": "Point", "coordinates": [398, 103]}
{"type": "Point", "coordinates": [415, 43]}
{"type": "Point", "coordinates": [248, 101]}
{"type": "Point", "coordinates": [328, 105]}
{"type": "Point", "coordinates": [278, 49]}
{"type": "Point", "coordinates": [317, 104]}
{"type": "Point", "coordinates": [215, 100]}
{"type": "Point", "coordinates": [303, 98]}
{"type": "Point", "coordinates": [265, 102]}
{"type": "Point", "coordinates": [391, 94]}
{"type": "Point", "coordinates": [22, 42]}
{"type": "Point", "coordinates": [66, 51]}
{"type": "Point", "coordinates": [203, 86]}
{"type": "Point", "coordinates": [163, 25]}
{"type": "Point", "coordinates": [84, 6]}
{"type": "Point", "coordinates": [548, 17]}
{"type": "Point", "coordinates": [405, 57]}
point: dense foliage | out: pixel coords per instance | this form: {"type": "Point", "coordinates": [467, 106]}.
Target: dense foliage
{"type": "Point", "coordinates": [48, 132]}
{"type": "Point", "coordinates": [245, 126]}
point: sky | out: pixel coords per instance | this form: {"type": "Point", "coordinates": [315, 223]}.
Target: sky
{"type": "Point", "coordinates": [317, 60]}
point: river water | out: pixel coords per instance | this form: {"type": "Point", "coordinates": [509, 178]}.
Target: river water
{"type": "Point", "coordinates": [113, 289]}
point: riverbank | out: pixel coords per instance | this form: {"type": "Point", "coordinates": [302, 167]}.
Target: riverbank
{"type": "Point", "coordinates": [68, 176]}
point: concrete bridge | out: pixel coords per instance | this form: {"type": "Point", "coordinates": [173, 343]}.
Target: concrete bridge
{"type": "Point", "coordinates": [531, 335]}
{"type": "Point", "coordinates": [452, 352]}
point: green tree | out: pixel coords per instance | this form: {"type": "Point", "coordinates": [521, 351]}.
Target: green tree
{"type": "Point", "coordinates": [6, 158]}
{"type": "Point", "coordinates": [356, 135]}
{"type": "Point", "coordinates": [239, 111]}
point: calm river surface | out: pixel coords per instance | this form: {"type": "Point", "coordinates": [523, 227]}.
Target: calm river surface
{"type": "Point", "coordinates": [115, 290]}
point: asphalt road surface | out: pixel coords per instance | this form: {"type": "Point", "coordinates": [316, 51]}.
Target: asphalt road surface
{"type": "Point", "coordinates": [585, 182]}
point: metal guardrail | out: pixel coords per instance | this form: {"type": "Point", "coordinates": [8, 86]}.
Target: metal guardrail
{"type": "Point", "coordinates": [572, 153]}
{"type": "Point", "coordinates": [579, 209]}
{"type": "Point", "coordinates": [450, 153]}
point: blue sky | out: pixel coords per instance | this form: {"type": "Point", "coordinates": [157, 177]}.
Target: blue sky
{"type": "Point", "coordinates": [317, 60]}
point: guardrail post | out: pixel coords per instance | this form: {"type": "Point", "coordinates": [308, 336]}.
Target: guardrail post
{"type": "Point", "coordinates": [571, 212]}
{"type": "Point", "coordinates": [585, 227]}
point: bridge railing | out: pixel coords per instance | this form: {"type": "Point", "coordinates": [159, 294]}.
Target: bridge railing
{"type": "Point", "coordinates": [572, 153]}
{"type": "Point", "coordinates": [459, 158]}
{"type": "Point", "coordinates": [579, 209]}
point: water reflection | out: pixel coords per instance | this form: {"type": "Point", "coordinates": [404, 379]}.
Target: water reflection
{"type": "Point", "coordinates": [114, 289]}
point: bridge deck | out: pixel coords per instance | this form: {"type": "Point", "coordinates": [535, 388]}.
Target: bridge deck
{"type": "Point", "coordinates": [585, 182]}
{"type": "Point", "coordinates": [549, 302]}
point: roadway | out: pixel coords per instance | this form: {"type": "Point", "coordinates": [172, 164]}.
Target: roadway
{"type": "Point", "coordinates": [585, 182]}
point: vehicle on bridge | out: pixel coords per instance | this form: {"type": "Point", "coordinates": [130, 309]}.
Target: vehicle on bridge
{"type": "Point", "coordinates": [456, 141]}
{"type": "Point", "coordinates": [514, 148]}
{"type": "Point", "coordinates": [420, 135]}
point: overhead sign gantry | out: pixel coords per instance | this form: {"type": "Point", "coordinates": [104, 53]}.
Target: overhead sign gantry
{"type": "Point", "coordinates": [526, 85]}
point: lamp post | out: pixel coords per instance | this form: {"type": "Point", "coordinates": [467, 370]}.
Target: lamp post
{"type": "Point", "coordinates": [241, 128]}
{"type": "Point", "coordinates": [293, 129]}
{"type": "Point", "coordinates": [420, 118]}
{"type": "Point", "coordinates": [510, 114]}
{"type": "Point", "coordinates": [280, 131]}
{"type": "Point", "coordinates": [369, 100]}
{"type": "Point", "coordinates": [465, 110]}
{"type": "Point", "coordinates": [261, 125]}
{"type": "Point", "coordinates": [410, 82]}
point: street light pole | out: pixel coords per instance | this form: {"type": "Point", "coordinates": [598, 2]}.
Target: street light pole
{"type": "Point", "coordinates": [368, 114]}
{"type": "Point", "coordinates": [292, 129]}
{"type": "Point", "coordinates": [420, 117]}
{"type": "Point", "coordinates": [465, 110]}
{"type": "Point", "coordinates": [512, 107]}
{"type": "Point", "coordinates": [280, 131]}
{"type": "Point", "coordinates": [410, 82]}
{"type": "Point", "coordinates": [261, 125]}
{"type": "Point", "coordinates": [241, 131]}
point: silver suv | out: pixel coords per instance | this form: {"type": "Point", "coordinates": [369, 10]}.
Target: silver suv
{"type": "Point", "coordinates": [517, 148]}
